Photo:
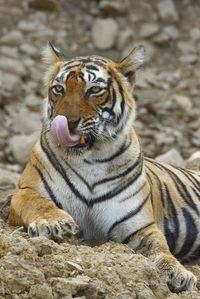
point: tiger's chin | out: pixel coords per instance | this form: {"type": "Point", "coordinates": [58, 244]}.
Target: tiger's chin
{"type": "Point", "coordinates": [85, 144]}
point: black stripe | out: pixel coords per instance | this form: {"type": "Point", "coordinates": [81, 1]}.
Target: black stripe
{"type": "Point", "coordinates": [197, 193]}
{"type": "Point", "coordinates": [87, 162]}
{"type": "Point", "coordinates": [106, 100]}
{"type": "Point", "coordinates": [70, 62]}
{"type": "Point", "coordinates": [129, 237]}
{"type": "Point", "coordinates": [169, 234]}
{"type": "Point", "coordinates": [99, 63]}
{"type": "Point", "coordinates": [123, 124]}
{"type": "Point", "coordinates": [128, 215]}
{"type": "Point", "coordinates": [98, 58]}
{"type": "Point", "coordinates": [100, 80]}
{"type": "Point", "coordinates": [79, 176]}
{"type": "Point", "coordinates": [66, 69]}
{"type": "Point", "coordinates": [149, 178]}
{"type": "Point", "coordinates": [172, 218]}
{"type": "Point", "coordinates": [159, 183]}
{"type": "Point", "coordinates": [121, 151]}
{"type": "Point", "coordinates": [190, 177]}
{"type": "Point", "coordinates": [181, 188]}
{"type": "Point", "coordinates": [93, 74]}
{"type": "Point", "coordinates": [191, 234]}
{"type": "Point", "coordinates": [122, 174]}
{"type": "Point", "coordinates": [134, 193]}
{"type": "Point", "coordinates": [122, 105]}
{"type": "Point", "coordinates": [93, 60]}
{"type": "Point", "coordinates": [48, 188]}
{"type": "Point", "coordinates": [114, 98]}
{"type": "Point", "coordinates": [117, 190]}
{"type": "Point", "coordinates": [92, 67]}
{"type": "Point", "coordinates": [58, 167]}
{"type": "Point", "coordinates": [109, 82]}
{"type": "Point", "coordinates": [42, 166]}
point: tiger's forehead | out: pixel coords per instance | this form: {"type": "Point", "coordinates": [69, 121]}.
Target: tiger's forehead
{"type": "Point", "coordinates": [91, 68]}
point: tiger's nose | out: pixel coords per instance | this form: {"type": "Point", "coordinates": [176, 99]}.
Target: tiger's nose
{"type": "Point", "coordinates": [73, 123]}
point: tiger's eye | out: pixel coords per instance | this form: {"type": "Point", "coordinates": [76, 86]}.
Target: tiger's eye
{"type": "Point", "coordinates": [95, 89]}
{"type": "Point", "coordinates": [58, 89]}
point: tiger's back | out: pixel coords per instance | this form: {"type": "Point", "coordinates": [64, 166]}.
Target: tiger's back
{"type": "Point", "coordinates": [176, 206]}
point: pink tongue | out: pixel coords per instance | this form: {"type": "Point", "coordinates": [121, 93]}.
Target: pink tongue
{"type": "Point", "coordinates": [60, 131]}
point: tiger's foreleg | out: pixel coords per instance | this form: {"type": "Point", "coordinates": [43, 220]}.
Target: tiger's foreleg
{"type": "Point", "coordinates": [152, 244]}
{"type": "Point", "coordinates": [40, 215]}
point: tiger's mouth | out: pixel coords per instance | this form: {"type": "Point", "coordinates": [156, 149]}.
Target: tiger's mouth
{"type": "Point", "coordinates": [60, 129]}
{"type": "Point", "coordinates": [86, 140]}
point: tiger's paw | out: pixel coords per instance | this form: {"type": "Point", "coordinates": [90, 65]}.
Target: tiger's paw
{"type": "Point", "coordinates": [54, 227]}
{"type": "Point", "coordinates": [180, 279]}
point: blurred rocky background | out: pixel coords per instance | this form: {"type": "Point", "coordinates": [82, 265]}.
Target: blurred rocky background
{"type": "Point", "coordinates": [167, 90]}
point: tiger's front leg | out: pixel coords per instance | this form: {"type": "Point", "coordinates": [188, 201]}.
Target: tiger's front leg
{"type": "Point", "coordinates": [152, 244]}
{"type": "Point", "coordinates": [40, 216]}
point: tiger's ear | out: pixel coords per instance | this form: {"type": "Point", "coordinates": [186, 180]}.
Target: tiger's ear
{"type": "Point", "coordinates": [131, 63]}
{"type": "Point", "coordinates": [52, 55]}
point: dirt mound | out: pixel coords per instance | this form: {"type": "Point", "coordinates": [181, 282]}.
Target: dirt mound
{"type": "Point", "coordinates": [40, 268]}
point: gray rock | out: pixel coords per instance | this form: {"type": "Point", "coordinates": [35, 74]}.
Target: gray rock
{"type": "Point", "coordinates": [172, 32]}
{"type": "Point", "coordinates": [182, 101]}
{"type": "Point", "coordinates": [8, 178]}
{"type": "Point", "coordinates": [194, 161]}
{"type": "Point", "coordinates": [195, 34]}
{"type": "Point", "coordinates": [124, 38]}
{"type": "Point", "coordinates": [167, 11]}
{"type": "Point", "coordinates": [8, 181]}
{"type": "Point", "coordinates": [33, 102]}
{"type": "Point", "coordinates": [104, 33]}
{"type": "Point", "coordinates": [24, 121]}
{"type": "Point", "coordinates": [45, 4]}
{"type": "Point", "coordinates": [30, 50]}
{"type": "Point", "coordinates": [113, 8]}
{"type": "Point", "coordinates": [9, 51]}
{"type": "Point", "coordinates": [196, 138]}
{"type": "Point", "coordinates": [12, 66]}
{"type": "Point", "coordinates": [19, 146]}
{"type": "Point", "coordinates": [169, 33]}
{"type": "Point", "coordinates": [43, 33]}
{"type": "Point", "coordinates": [12, 38]}
{"type": "Point", "coordinates": [148, 30]}
{"type": "Point", "coordinates": [26, 26]}
{"type": "Point", "coordinates": [161, 39]}
{"type": "Point", "coordinates": [186, 47]}
{"type": "Point", "coordinates": [9, 82]}
{"type": "Point", "coordinates": [189, 58]}
{"type": "Point", "coordinates": [172, 157]}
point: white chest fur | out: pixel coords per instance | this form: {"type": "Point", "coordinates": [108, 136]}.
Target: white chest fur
{"type": "Point", "coordinates": [97, 195]}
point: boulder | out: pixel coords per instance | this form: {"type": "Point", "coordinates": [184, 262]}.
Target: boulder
{"type": "Point", "coordinates": [167, 11]}
{"type": "Point", "coordinates": [104, 33]}
{"type": "Point", "coordinates": [19, 146]}
{"type": "Point", "coordinates": [12, 38]}
{"type": "Point", "coordinates": [172, 157]}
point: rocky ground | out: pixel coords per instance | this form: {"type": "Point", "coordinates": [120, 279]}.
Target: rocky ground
{"type": "Point", "coordinates": [167, 93]}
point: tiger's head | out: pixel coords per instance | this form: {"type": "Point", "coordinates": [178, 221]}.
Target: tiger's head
{"type": "Point", "coordinates": [89, 98]}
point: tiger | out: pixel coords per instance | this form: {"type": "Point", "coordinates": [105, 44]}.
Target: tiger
{"type": "Point", "coordinates": [87, 175]}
